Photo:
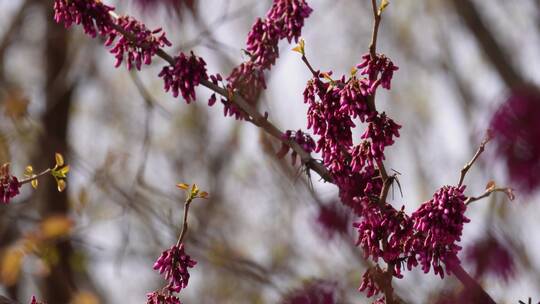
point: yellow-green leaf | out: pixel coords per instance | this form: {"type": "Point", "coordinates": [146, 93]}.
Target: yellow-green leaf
{"type": "Point", "coordinates": [59, 159]}
{"type": "Point", "coordinates": [182, 186]}
{"type": "Point", "coordinates": [194, 190]}
{"type": "Point", "coordinates": [64, 171]}
{"type": "Point", "coordinates": [384, 4]}
{"type": "Point", "coordinates": [300, 47]}
{"type": "Point", "coordinates": [61, 185]}
{"type": "Point", "coordinates": [28, 171]}
{"type": "Point", "coordinates": [34, 183]}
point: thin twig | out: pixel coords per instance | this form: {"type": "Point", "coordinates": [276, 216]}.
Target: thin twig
{"type": "Point", "coordinates": [29, 179]}
{"type": "Point", "coordinates": [488, 192]}
{"type": "Point", "coordinates": [185, 222]}
{"type": "Point", "coordinates": [475, 157]}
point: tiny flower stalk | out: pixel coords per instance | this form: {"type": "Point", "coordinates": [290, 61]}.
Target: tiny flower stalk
{"type": "Point", "coordinates": [174, 262]}
{"type": "Point", "coordinates": [192, 193]}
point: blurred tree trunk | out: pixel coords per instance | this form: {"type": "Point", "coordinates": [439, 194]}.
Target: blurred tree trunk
{"type": "Point", "coordinates": [59, 285]}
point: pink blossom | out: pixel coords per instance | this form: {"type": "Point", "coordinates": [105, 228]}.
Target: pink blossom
{"type": "Point", "coordinates": [184, 75]}
{"type": "Point", "coordinates": [174, 263]}
{"type": "Point", "coordinates": [438, 224]}
{"type": "Point", "coordinates": [92, 14]}
{"type": "Point", "coordinates": [140, 47]}
{"type": "Point", "coordinates": [9, 187]}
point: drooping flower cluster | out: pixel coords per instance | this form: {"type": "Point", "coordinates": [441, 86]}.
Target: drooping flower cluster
{"type": "Point", "coordinates": [262, 43]}
{"type": "Point", "coordinates": [136, 44]}
{"type": "Point", "coordinates": [288, 17]}
{"type": "Point", "coordinates": [9, 185]}
{"type": "Point", "coordinates": [438, 225]}
{"type": "Point", "coordinates": [157, 297]}
{"type": "Point", "coordinates": [516, 129]}
{"type": "Point", "coordinates": [384, 225]}
{"type": "Point", "coordinates": [94, 16]}
{"type": "Point", "coordinates": [379, 70]}
{"type": "Point", "coordinates": [381, 131]}
{"type": "Point", "coordinates": [174, 264]}
{"type": "Point", "coordinates": [332, 106]}
{"type": "Point", "coordinates": [140, 47]}
{"type": "Point", "coordinates": [182, 77]}
{"type": "Point", "coordinates": [284, 20]}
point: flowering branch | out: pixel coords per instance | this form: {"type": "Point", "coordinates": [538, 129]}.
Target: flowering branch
{"type": "Point", "coordinates": [252, 114]}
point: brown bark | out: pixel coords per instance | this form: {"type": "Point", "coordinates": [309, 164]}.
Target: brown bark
{"type": "Point", "coordinates": [59, 285]}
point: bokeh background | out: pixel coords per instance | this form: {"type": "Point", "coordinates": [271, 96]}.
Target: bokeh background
{"type": "Point", "coordinates": [268, 230]}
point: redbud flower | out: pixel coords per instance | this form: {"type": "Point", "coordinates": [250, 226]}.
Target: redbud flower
{"type": "Point", "coordinates": [184, 75]}
{"type": "Point", "coordinates": [158, 298]}
{"type": "Point", "coordinates": [333, 219]}
{"type": "Point", "coordinates": [174, 262]}
{"type": "Point", "coordinates": [140, 47]}
{"type": "Point", "coordinates": [439, 225]}
{"type": "Point", "coordinates": [92, 14]}
{"type": "Point", "coordinates": [516, 129]}
{"type": "Point", "coordinates": [262, 43]}
{"type": "Point", "coordinates": [379, 70]}
{"type": "Point", "coordinates": [381, 130]}
{"type": "Point", "coordinates": [247, 79]}
{"type": "Point", "coordinates": [288, 16]}
{"type": "Point", "coordinates": [9, 185]}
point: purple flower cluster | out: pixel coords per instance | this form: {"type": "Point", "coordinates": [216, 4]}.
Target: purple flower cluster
{"type": "Point", "coordinates": [333, 219]}
{"type": "Point", "coordinates": [92, 15]}
{"type": "Point", "coordinates": [159, 298]}
{"type": "Point", "coordinates": [136, 43]}
{"type": "Point", "coordinates": [438, 225]}
{"type": "Point", "coordinates": [381, 131]}
{"type": "Point", "coordinates": [332, 107]}
{"type": "Point", "coordinates": [262, 43]}
{"type": "Point", "coordinates": [384, 225]}
{"type": "Point", "coordinates": [174, 263]}
{"type": "Point", "coordinates": [490, 256]}
{"type": "Point", "coordinates": [303, 139]}
{"type": "Point", "coordinates": [184, 75]}
{"type": "Point", "coordinates": [284, 20]}
{"type": "Point", "coordinates": [288, 17]}
{"type": "Point", "coordinates": [516, 129]}
{"type": "Point", "coordinates": [140, 47]}
{"type": "Point", "coordinates": [248, 80]}
{"type": "Point", "coordinates": [379, 70]}
{"type": "Point", "coordinates": [9, 185]}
